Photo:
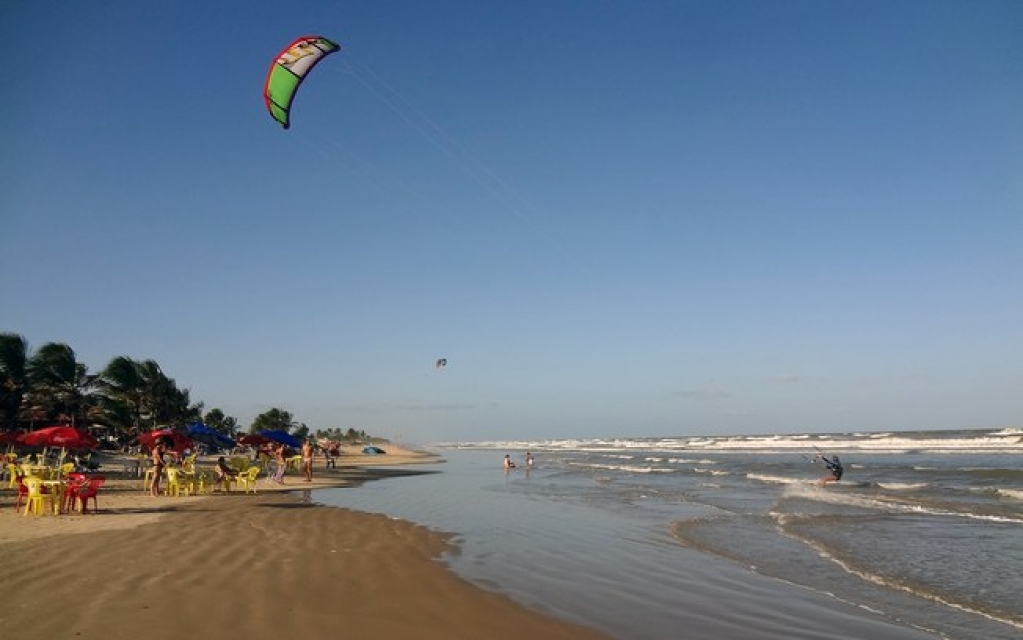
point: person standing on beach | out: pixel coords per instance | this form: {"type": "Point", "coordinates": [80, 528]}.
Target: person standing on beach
{"type": "Point", "coordinates": [281, 464]}
{"type": "Point", "coordinates": [834, 468]}
{"type": "Point", "coordinates": [508, 464]}
{"type": "Point", "coordinates": [159, 449]}
{"type": "Point", "coordinates": [332, 452]}
{"type": "Point", "coordinates": [307, 460]}
{"type": "Point", "coordinates": [529, 460]}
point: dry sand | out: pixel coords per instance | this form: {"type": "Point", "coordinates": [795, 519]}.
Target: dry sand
{"type": "Point", "coordinates": [269, 565]}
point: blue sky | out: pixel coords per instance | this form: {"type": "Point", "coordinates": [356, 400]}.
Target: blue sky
{"type": "Point", "coordinates": [612, 218]}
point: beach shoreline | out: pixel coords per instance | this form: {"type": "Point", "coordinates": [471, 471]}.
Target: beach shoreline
{"type": "Point", "coordinates": [258, 565]}
{"type": "Point", "coordinates": [457, 549]}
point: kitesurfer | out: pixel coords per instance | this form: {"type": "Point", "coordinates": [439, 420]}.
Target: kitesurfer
{"type": "Point", "coordinates": [835, 469]}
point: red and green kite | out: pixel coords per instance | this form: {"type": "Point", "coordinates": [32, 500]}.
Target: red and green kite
{"type": "Point", "coordinates": [288, 71]}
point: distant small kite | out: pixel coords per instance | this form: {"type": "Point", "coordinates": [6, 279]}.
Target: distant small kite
{"type": "Point", "coordinates": [442, 362]}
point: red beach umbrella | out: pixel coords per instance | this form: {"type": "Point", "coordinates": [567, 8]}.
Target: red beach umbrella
{"type": "Point", "coordinates": [254, 440]}
{"type": "Point", "coordinates": [9, 437]}
{"type": "Point", "coordinates": [61, 436]}
{"type": "Point", "coordinates": [179, 441]}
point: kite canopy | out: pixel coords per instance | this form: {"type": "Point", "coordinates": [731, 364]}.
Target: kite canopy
{"type": "Point", "coordinates": [289, 69]}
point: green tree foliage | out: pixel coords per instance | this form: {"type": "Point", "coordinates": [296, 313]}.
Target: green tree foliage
{"type": "Point", "coordinates": [140, 391]}
{"type": "Point", "coordinates": [216, 419]}
{"type": "Point", "coordinates": [60, 387]}
{"type": "Point", "coordinates": [13, 378]}
{"type": "Point", "coordinates": [351, 436]}
{"type": "Point", "coordinates": [128, 396]}
{"type": "Point", "coordinates": [124, 387]}
{"type": "Point", "coordinates": [277, 419]}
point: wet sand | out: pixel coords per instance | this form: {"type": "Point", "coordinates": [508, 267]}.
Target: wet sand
{"type": "Point", "coordinates": [269, 565]}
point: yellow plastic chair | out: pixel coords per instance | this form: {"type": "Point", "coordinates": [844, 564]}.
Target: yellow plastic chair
{"type": "Point", "coordinates": [247, 479]}
{"type": "Point", "coordinates": [147, 478]}
{"type": "Point", "coordinates": [36, 502]}
{"type": "Point", "coordinates": [64, 469]}
{"type": "Point", "coordinates": [241, 464]}
{"type": "Point", "coordinates": [13, 471]}
{"type": "Point", "coordinates": [187, 482]}
{"type": "Point", "coordinates": [173, 487]}
{"type": "Point", "coordinates": [199, 484]}
{"type": "Point", "coordinates": [193, 483]}
{"type": "Point", "coordinates": [188, 473]}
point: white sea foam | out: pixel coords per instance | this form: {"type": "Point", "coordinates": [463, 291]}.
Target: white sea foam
{"type": "Point", "coordinates": [776, 479]}
{"type": "Point", "coordinates": [1009, 431]}
{"type": "Point", "coordinates": [628, 468]}
{"type": "Point", "coordinates": [901, 486]}
{"type": "Point", "coordinates": [890, 583]}
{"type": "Point", "coordinates": [1016, 494]}
{"type": "Point", "coordinates": [893, 505]}
{"type": "Point", "coordinates": [1009, 440]}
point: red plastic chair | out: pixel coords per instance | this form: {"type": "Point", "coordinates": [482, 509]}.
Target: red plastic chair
{"type": "Point", "coordinates": [75, 482]}
{"type": "Point", "coordinates": [89, 491]}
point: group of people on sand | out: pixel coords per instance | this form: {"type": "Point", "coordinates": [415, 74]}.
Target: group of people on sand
{"type": "Point", "coordinates": [279, 453]}
{"type": "Point", "coordinates": [223, 471]}
{"type": "Point", "coordinates": [509, 464]}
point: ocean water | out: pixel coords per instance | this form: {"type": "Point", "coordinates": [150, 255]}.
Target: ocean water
{"type": "Point", "coordinates": [730, 537]}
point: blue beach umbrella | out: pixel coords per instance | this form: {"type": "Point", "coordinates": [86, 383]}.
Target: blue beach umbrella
{"type": "Point", "coordinates": [281, 436]}
{"type": "Point", "coordinates": [207, 435]}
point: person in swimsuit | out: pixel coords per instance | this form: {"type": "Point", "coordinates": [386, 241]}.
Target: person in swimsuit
{"type": "Point", "coordinates": [307, 460]}
{"type": "Point", "coordinates": [281, 464]}
{"type": "Point", "coordinates": [158, 465]}
{"type": "Point", "coordinates": [834, 467]}
{"type": "Point", "coordinates": [332, 453]}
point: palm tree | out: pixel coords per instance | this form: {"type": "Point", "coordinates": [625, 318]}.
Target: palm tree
{"type": "Point", "coordinates": [13, 378]}
{"type": "Point", "coordinates": [122, 384]}
{"type": "Point", "coordinates": [60, 384]}
{"type": "Point", "coordinates": [140, 391]}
